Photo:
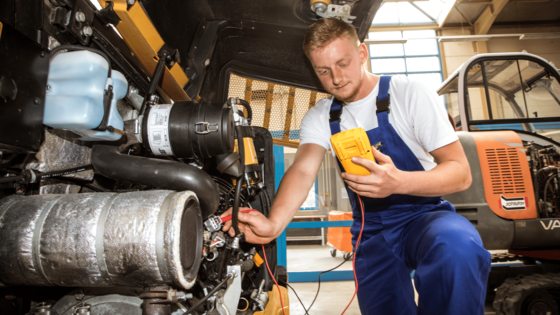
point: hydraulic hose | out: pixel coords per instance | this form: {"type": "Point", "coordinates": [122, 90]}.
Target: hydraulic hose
{"type": "Point", "coordinates": [237, 198]}
{"type": "Point", "coordinates": [247, 106]}
{"type": "Point", "coordinates": [78, 47]}
{"type": "Point", "coordinates": [536, 181]}
{"type": "Point", "coordinates": [550, 178]}
{"type": "Point", "coordinates": [157, 173]}
{"type": "Point", "coordinates": [211, 293]}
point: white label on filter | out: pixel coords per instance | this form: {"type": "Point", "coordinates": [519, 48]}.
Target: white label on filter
{"type": "Point", "coordinates": [158, 136]}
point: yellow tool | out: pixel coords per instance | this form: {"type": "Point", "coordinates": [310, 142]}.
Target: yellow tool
{"type": "Point", "coordinates": [350, 143]}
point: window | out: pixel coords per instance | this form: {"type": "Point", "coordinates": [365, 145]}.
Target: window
{"type": "Point", "coordinates": [418, 58]}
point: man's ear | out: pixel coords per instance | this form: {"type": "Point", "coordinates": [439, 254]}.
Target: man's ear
{"type": "Point", "coordinates": [362, 50]}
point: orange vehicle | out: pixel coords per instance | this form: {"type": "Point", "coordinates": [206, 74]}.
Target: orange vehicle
{"type": "Point", "coordinates": [508, 108]}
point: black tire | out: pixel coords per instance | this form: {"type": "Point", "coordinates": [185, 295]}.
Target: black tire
{"type": "Point", "coordinates": [346, 256]}
{"type": "Point", "coordinates": [333, 252]}
{"type": "Point", "coordinates": [527, 295]}
{"type": "Point", "coordinates": [539, 303]}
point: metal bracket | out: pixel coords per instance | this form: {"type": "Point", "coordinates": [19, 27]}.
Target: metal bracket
{"type": "Point", "coordinates": [337, 11]}
{"type": "Point", "coordinates": [204, 128]}
{"type": "Point", "coordinates": [81, 21]}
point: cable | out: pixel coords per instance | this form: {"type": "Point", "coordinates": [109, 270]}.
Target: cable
{"type": "Point", "coordinates": [300, 302]}
{"type": "Point", "coordinates": [197, 304]}
{"type": "Point", "coordinates": [319, 281]}
{"type": "Point", "coordinates": [236, 200]}
{"type": "Point", "coordinates": [272, 276]}
{"type": "Point", "coordinates": [355, 252]}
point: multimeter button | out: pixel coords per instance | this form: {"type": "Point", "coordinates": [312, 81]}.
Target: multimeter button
{"type": "Point", "coordinates": [351, 148]}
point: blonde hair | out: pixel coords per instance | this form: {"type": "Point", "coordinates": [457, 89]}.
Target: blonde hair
{"type": "Point", "coordinates": [324, 31]}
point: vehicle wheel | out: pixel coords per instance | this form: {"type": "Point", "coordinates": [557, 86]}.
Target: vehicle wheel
{"type": "Point", "coordinates": [539, 303]}
{"type": "Point", "coordinates": [346, 256]}
{"type": "Point", "coordinates": [333, 252]}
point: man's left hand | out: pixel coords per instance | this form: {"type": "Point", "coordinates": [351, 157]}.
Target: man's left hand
{"type": "Point", "coordinates": [385, 179]}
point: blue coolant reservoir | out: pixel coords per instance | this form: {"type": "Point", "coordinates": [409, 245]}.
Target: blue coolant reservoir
{"type": "Point", "coordinates": [74, 101]}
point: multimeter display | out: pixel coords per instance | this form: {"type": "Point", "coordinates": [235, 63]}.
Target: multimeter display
{"type": "Point", "coordinates": [350, 143]}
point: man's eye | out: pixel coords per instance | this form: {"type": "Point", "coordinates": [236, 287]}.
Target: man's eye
{"type": "Point", "coordinates": [322, 72]}
{"type": "Point", "coordinates": [343, 65]}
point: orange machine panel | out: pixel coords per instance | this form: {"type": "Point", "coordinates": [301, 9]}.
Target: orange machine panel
{"type": "Point", "coordinates": [340, 237]}
{"type": "Point", "coordinates": [505, 172]}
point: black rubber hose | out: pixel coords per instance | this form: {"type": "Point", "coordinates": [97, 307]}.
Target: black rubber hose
{"type": "Point", "coordinates": [157, 173]}
{"type": "Point", "coordinates": [240, 180]}
{"type": "Point", "coordinates": [78, 47]}
{"type": "Point", "coordinates": [536, 182]}
{"type": "Point", "coordinates": [156, 77]}
{"type": "Point", "coordinates": [11, 179]}
{"type": "Point", "coordinates": [546, 190]}
{"type": "Point", "coordinates": [247, 106]}
{"type": "Point", "coordinates": [197, 304]}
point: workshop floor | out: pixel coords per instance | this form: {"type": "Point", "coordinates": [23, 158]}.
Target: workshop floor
{"type": "Point", "coordinates": [334, 295]}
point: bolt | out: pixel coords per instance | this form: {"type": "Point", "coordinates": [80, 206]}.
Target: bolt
{"type": "Point", "coordinates": [131, 2]}
{"type": "Point", "coordinates": [43, 54]}
{"type": "Point", "coordinates": [48, 87]}
{"type": "Point", "coordinates": [37, 101]}
{"type": "Point", "coordinates": [20, 190]}
{"type": "Point", "coordinates": [87, 31]}
{"type": "Point", "coordinates": [206, 62]}
{"type": "Point", "coordinates": [80, 16]}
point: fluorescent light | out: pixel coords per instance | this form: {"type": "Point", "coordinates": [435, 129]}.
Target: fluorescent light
{"type": "Point", "coordinates": [471, 38]}
{"type": "Point", "coordinates": [386, 41]}
{"type": "Point", "coordinates": [539, 36]}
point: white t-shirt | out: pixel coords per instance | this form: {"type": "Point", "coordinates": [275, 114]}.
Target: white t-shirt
{"type": "Point", "coordinates": [415, 113]}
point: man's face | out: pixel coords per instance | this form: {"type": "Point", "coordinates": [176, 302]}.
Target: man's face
{"type": "Point", "coordinates": [339, 67]}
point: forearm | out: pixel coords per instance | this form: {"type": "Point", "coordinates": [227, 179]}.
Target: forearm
{"type": "Point", "coordinates": [292, 192]}
{"type": "Point", "coordinates": [446, 178]}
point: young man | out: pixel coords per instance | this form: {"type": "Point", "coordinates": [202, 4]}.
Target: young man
{"type": "Point", "coordinates": [407, 224]}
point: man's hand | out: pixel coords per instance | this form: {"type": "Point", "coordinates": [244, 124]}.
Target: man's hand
{"type": "Point", "coordinates": [257, 228]}
{"type": "Point", "coordinates": [385, 179]}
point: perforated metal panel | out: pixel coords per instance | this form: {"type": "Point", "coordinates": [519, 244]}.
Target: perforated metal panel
{"type": "Point", "coordinates": [505, 171]}
{"type": "Point", "coordinates": [276, 107]}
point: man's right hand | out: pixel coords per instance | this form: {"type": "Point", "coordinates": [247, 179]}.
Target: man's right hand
{"type": "Point", "coordinates": [257, 228]}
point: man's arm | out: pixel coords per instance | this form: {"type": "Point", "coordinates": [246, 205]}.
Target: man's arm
{"type": "Point", "coordinates": [292, 192]}
{"type": "Point", "coordinates": [452, 174]}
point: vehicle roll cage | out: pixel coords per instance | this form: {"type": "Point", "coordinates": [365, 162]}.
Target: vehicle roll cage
{"type": "Point", "coordinates": [462, 73]}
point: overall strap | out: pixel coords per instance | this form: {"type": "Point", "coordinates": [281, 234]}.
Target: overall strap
{"type": "Point", "coordinates": [334, 118]}
{"type": "Point", "coordinates": [383, 101]}
{"type": "Point", "coordinates": [383, 96]}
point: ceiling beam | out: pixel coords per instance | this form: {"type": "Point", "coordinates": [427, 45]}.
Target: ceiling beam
{"type": "Point", "coordinates": [464, 17]}
{"type": "Point", "coordinates": [445, 11]}
{"type": "Point", "coordinates": [488, 16]}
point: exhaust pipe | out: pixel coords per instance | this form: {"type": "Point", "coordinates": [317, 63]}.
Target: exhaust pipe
{"type": "Point", "coordinates": [143, 238]}
{"type": "Point", "coordinates": [157, 173]}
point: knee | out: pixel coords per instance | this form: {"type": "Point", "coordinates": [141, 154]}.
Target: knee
{"type": "Point", "coordinates": [459, 243]}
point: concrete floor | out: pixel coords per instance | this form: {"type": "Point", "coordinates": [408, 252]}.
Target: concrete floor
{"type": "Point", "coordinates": [334, 296]}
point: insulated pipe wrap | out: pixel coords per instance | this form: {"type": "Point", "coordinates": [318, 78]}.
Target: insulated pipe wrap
{"type": "Point", "coordinates": [101, 239]}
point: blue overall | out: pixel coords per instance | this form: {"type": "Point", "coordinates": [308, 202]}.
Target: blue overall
{"type": "Point", "coordinates": [403, 233]}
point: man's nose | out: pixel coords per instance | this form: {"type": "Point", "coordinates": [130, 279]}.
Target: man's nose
{"type": "Point", "coordinates": [337, 76]}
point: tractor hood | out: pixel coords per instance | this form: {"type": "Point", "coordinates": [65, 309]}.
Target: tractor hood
{"type": "Point", "coordinates": [261, 39]}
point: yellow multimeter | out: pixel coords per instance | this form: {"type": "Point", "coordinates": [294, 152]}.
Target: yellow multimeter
{"type": "Point", "coordinates": [350, 143]}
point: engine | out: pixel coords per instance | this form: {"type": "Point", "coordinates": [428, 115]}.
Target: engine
{"type": "Point", "coordinates": [544, 164]}
{"type": "Point", "coordinates": [116, 208]}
